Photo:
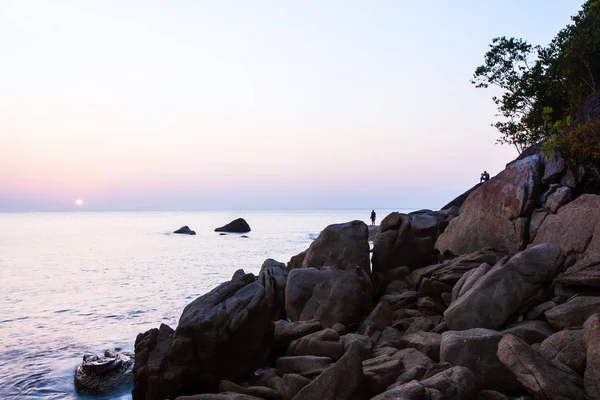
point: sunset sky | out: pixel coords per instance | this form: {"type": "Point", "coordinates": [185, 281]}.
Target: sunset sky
{"type": "Point", "coordinates": [192, 105]}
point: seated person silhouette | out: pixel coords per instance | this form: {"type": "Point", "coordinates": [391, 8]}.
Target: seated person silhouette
{"type": "Point", "coordinates": [484, 177]}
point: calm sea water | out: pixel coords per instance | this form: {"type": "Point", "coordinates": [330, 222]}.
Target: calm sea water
{"type": "Point", "coordinates": [79, 282]}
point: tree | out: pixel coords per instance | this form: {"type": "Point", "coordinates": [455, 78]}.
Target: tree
{"type": "Point", "coordinates": [543, 85]}
{"type": "Point", "coordinates": [516, 67]}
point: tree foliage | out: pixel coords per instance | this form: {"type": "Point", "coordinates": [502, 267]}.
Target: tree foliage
{"type": "Point", "coordinates": [543, 85]}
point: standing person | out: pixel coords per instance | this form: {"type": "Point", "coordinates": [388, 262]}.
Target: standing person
{"type": "Point", "coordinates": [484, 177]}
{"type": "Point", "coordinates": [373, 216]}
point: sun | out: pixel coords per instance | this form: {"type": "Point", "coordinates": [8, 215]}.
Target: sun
{"type": "Point", "coordinates": [78, 202]}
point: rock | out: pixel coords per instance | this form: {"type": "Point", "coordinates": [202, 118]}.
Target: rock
{"type": "Point", "coordinates": [476, 349]}
{"type": "Point", "coordinates": [342, 381]}
{"type": "Point", "coordinates": [461, 199]}
{"type": "Point", "coordinates": [573, 313]}
{"type": "Point", "coordinates": [102, 374]}
{"type": "Point", "coordinates": [470, 279]}
{"type": "Point", "coordinates": [436, 368]}
{"type": "Point", "coordinates": [236, 226]}
{"type": "Point", "coordinates": [296, 261]}
{"type": "Point", "coordinates": [566, 347]}
{"type": "Point", "coordinates": [373, 229]}
{"type": "Point", "coordinates": [151, 351]}
{"type": "Point", "coordinates": [591, 379]}
{"type": "Point", "coordinates": [323, 343]}
{"type": "Point", "coordinates": [530, 331]}
{"type": "Point", "coordinates": [406, 240]}
{"type": "Point", "coordinates": [413, 358]}
{"type": "Point", "coordinates": [419, 324]}
{"type": "Point", "coordinates": [495, 214]}
{"type": "Point", "coordinates": [575, 227]}
{"type": "Point", "coordinates": [538, 311]}
{"type": "Point", "coordinates": [452, 270]}
{"type": "Point", "coordinates": [341, 246]}
{"type": "Point", "coordinates": [554, 168]}
{"type": "Point", "coordinates": [185, 230]}
{"type": "Point", "coordinates": [222, 234]}
{"type": "Point", "coordinates": [224, 334]}
{"type": "Point", "coordinates": [273, 276]}
{"type": "Point", "coordinates": [500, 295]}
{"type": "Point", "coordinates": [558, 199]}
{"type": "Point", "coordinates": [329, 295]}
{"type": "Point", "coordinates": [410, 391]}
{"type": "Point", "coordinates": [453, 383]}
{"type": "Point", "coordinates": [307, 366]}
{"type": "Point", "coordinates": [286, 331]}
{"type": "Point", "coordinates": [290, 385]}
{"type": "Point", "coordinates": [426, 342]}
{"type": "Point", "coordinates": [379, 373]}
{"type": "Point", "coordinates": [414, 373]}
{"type": "Point", "coordinates": [538, 375]}
{"type": "Point", "coordinates": [585, 273]}
{"type": "Point", "coordinates": [364, 342]}
{"type": "Point", "coordinates": [238, 274]}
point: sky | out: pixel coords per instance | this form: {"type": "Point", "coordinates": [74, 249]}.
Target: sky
{"type": "Point", "coordinates": [212, 105]}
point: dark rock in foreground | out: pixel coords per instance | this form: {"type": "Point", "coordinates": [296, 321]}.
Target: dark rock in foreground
{"type": "Point", "coordinates": [225, 334]}
{"type": "Point", "coordinates": [102, 374]}
{"type": "Point", "coordinates": [185, 230]}
{"type": "Point", "coordinates": [236, 226]}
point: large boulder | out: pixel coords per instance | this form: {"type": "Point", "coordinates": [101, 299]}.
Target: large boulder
{"type": "Point", "coordinates": [496, 213]}
{"type": "Point", "coordinates": [342, 381]}
{"type": "Point", "coordinates": [407, 240]}
{"type": "Point", "coordinates": [566, 347]}
{"type": "Point", "coordinates": [503, 293]}
{"type": "Point", "coordinates": [224, 334]}
{"type": "Point", "coordinates": [102, 374]}
{"type": "Point", "coordinates": [273, 277]}
{"type": "Point", "coordinates": [342, 246]}
{"type": "Point", "coordinates": [584, 273]}
{"type": "Point", "coordinates": [575, 227]}
{"type": "Point", "coordinates": [541, 377]}
{"type": "Point", "coordinates": [236, 226]}
{"type": "Point", "coordinates": [573, 313]}
{"type": "Point", "coordinates": [452, 383]}
{"type": "Point", "coordinates": [328, 295]}
{"type": "Point", "coordinates": [476, 349]}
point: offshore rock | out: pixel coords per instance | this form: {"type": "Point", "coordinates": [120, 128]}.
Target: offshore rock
{"type": "Point", "coordinates": [185, 230]}
{"type": "Point", "coordinates": [102, 374]}
{"type": "Point", "coordinates": [236, 226]}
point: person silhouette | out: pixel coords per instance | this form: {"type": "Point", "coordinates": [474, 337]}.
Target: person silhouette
{"type": "Point", "coordinates": [373, 216]}
{"type": "Point", "coordinates": [484, 177]}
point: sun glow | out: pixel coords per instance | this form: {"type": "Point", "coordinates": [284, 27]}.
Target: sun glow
{"type": "Point", "coordinates": [78, 202]}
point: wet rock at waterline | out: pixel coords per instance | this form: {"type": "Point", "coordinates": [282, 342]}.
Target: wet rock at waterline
{"type": "Point", "coordinates": [102, 374]}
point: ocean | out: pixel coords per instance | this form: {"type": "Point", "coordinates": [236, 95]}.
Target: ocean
{"type": "Point", "coordinates": [78, 282]}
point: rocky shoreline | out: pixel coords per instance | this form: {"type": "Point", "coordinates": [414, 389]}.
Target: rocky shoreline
{"type": "Point", "coordinates": [497, 296]}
